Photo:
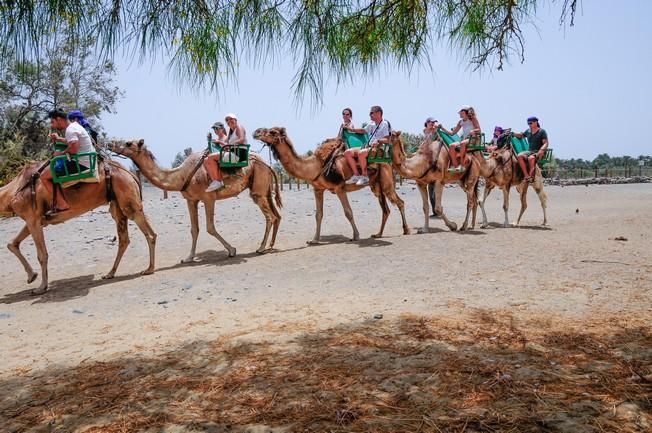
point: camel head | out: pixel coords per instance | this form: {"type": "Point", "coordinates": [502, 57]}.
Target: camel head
{"type": "Point", "coordinates": [133, 149]}
{"type": "Point", "coordinates": [271, 136]}
{"type": "Point", "coordinates": [396, 141]}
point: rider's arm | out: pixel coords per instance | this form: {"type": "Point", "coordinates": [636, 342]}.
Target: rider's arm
{"type": "Point", "coordinates": [476, 127]}
{"type": "Point", "coordinates": [357, 130]}
{"type": "Point", "coordinates": [543, 149]}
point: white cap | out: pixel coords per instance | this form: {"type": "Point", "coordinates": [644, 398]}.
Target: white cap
{"type": "Point", "coordinates": [464, 108]}
{"type": "Point", "coordinates": [231, 115]}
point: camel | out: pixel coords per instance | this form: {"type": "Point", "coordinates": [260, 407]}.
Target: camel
{"type": "Point", "coordinates": [30, 201]}
{"type": "Point", "coordinates": [500, 170]}
{"type": "Point", "coordinates": [257, 176]}
{"type": "Point", "coordinates": [314, 170]}
{"type": "Point", "coordinates": [419, 168]}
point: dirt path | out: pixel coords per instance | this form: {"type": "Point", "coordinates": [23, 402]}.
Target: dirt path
{"type": "Point", "coordinates": [573, 277]}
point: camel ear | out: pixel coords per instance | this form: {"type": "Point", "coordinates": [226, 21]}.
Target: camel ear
{"type": "Point", "coordinates": [396, 133]}
{"type": "Point", "coordinates": [282, 131]}
{"type": "Point", "coordinates": [140, 143]}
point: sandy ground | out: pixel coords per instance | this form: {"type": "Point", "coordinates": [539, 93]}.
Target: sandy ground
{"type": "Point", "coordinates": [571, 276]}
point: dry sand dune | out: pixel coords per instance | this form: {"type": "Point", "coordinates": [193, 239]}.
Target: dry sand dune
{"type": "Point", "coordinates": [519, 329]}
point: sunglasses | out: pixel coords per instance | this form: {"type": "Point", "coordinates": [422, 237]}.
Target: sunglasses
{"type": "Point", "coordinates": [346, 114]}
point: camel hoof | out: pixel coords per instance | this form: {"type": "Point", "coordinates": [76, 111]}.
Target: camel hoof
{"type": "Point", "coordinates": [189, 260]}
{"type": "Point", "coordinates": [261, 250]}
{"type": "Point", "coordinates": [313, 242]}
{"type": "Point", "coordinates": [407, 231]}
{"type": "Point", "coordinates": [32, 277]}
{"type": "Point", "coordinates": [423, 230]}
{"type": "Point", "coordinates": [453, 227]}
{"type": "Point", "coordinates": [484, 226]}
{"type": "Point", "coordinates": [377, 235]}
{"type": "Point", "coordinates": [147, 271]}
{"type": "Point", "coordinates": [231, 252]}
{"type": "Point", "coordinates": [108, 276]}
{"type": "Point", "coordinates": [39, 291]}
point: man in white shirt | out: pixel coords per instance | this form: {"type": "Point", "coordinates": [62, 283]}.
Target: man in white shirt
{"type": "Point", "coordinates": [77, 140]}
{"type": "Point", "coordinates": [378, 131]}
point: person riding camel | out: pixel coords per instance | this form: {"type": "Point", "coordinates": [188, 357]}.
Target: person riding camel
{"type": "Point", "coordinates": [236, 135]}
{"type": "Point", "coordinates": [470, 127]}
{"type": "Point", "coordinates": [77, 140]}
{"type": "Point", "coordinates": [378, 131]}
{"type": "Point", "coordinates": [499, 139]}
{"type": "Point", "coordinates": [537, 138]}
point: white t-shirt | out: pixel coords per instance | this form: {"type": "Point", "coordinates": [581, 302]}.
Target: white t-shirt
{"type": "Point", "coordinates": [376, 134]}
{"type": "Point", "coordinates": [76, 132]}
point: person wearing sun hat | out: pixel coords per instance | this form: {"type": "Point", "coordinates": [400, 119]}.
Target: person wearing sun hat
{"type": "Point", "coordinates": [470, 127]}
{"type": "Point", "coordinates": [537, 139]}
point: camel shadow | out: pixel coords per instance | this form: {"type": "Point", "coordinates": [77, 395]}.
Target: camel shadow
{"type": "Point", "coordinates": [470, 232]}
{"type": "Point", "coordinates": [214, 258]}
{"type": "Point", "coordinates": [537, 227]}
{"type": "Point", "coordinates": [65, 289]}
{"type": "Point", "coordinates": [340, 239]}
{"type": "Point", "coordinates": [419, 230]}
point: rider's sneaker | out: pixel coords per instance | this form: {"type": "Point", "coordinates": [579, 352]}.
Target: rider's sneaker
{"type": "Point", "coordinates": [363, 180]}
{"type": "Point", "coordinates": [352, 180]}
{"type": "Point", "coordinates": [215, 185]}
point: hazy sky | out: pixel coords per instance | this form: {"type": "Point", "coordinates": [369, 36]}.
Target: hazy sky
{"type": "Point", "coordinates": [588, 84]}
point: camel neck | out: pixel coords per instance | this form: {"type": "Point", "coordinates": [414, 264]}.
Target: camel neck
{"type": "Point", "coordinates": [306, 168]}
{"type": "Point", "coordinates": [168, 179]}
{"type": "Point", "coordinates": [410, 168]}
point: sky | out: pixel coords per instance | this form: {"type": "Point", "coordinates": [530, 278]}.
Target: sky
{"type": "Point", "coordinates": [588, 84]}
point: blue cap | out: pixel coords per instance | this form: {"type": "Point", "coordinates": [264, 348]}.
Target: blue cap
{"type": "Point", "coordinates": [532, 119]}
{"type": "Point", "coordinates": [75, 114]}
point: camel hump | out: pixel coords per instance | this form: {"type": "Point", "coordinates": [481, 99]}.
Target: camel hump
{"type": "Point", "coordinates": [327, 147]}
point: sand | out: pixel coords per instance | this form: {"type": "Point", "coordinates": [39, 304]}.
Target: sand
{"type": "Point", "coordinates": [295, 307]}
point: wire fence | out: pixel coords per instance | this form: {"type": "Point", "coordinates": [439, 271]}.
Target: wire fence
{"type": "Point", "coordinates": [608, 172]}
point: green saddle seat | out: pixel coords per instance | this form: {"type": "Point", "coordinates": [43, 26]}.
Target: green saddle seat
{"type": "Point", "coordinates": [382, 155]}
{"type": "Point", "coordinates": [521, 145]}
{"type": "Point", "coordinates": [69, 173]}
{"type": "Point", "coordinates": [237, 155]}
{"type": "Point", "coordinates": [475, 143]}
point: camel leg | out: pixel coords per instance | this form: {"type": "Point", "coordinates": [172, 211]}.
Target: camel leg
{"type": "Point", "coordinates": [122, 227]}
{"type": "Point", "coordinates": [150, 236]}
{"type": "Point", "coordinates": [276, 222]}
{"type": "Point", "coordinates": [400, 204]}
{"type": "Point", "coordinates": [506, 206]}
{"type": "Point", "coordinates": [270, 219]}
{"type": "Point", "coordinates": [36, 231]}
{"type": "Point", "coordinates": [543, 197]}
{"type": "Point", "coordinates": [348, 212]}
{"type": "Point", "coordinates": [439, 210]}
{"type": "Point", "coordinates": [319, 213]}
{"type": "Point", "coordinates": [14, 247]}
{"type": "Point", "coordinates": [423, 190]}
{"type": "Point", "coordinates": [523, 192]}
{"type": "Point", "coordinates": [210, 227]}
{"type": "Point", "coordinates": [385, 209]}
{"type": "Point", "coordinates": [487, 191]}
{"type": "Point", "coordinates": [194, 229]}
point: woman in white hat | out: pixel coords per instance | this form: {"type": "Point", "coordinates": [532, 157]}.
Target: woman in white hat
{"type": "Point", "coordinates": [236, 135]}
{"type": "Point", "coordinates": [470, 127]}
